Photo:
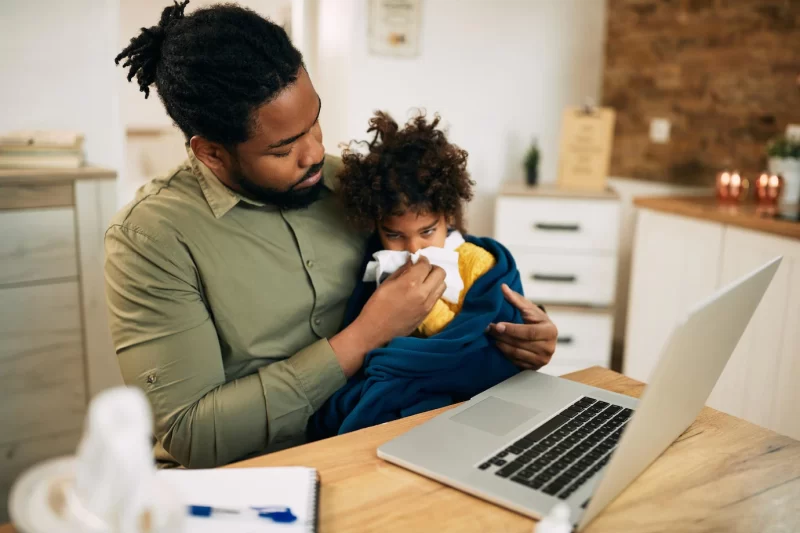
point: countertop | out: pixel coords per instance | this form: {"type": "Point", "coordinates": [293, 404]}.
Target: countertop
{"type": "Point", "coordinates": [18, 176]}
{"type": "Point", "coordinates": [552, 190]}
{"type": "Point", "coordinates": [745, 215]}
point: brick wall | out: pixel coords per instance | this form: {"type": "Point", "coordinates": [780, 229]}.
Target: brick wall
{"type": "Point", "coordinates": [726, 73]}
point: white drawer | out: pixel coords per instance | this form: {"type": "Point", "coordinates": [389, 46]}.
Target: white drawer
{"type": "Point", "coordinates": [558, 223]}
{"type": "Point", "coordinates": [37, 245]}
{"type": "Point", "coordinates": [567, 279]}
{"type": "Point", "coordinates": [583, 336]}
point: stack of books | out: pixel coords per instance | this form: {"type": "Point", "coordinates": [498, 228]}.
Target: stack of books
{"type": "Point", "coordinates": [41, 149]}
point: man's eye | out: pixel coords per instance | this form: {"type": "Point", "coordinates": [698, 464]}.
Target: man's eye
{"type": "Point", "coordinates": [282, 154]}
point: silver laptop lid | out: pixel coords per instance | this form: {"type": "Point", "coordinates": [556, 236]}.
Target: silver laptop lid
{"type": "Point", "coordinates": [690, 365]}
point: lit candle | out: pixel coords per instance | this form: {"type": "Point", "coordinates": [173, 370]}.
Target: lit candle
{"type": "Point", "coordinates": [723, 185]}
{"type": "Point", "coordinates": [769, 188]}
{"type": "Point", "coordinates": [731, 186]}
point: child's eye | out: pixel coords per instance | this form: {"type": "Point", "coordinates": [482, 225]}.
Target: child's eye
{"type": "Point", "coordinates": [428, 232]}
{"type": "Point", "coordinates": [392, 236]}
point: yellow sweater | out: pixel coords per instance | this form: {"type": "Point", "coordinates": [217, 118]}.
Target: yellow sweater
{"type": "Point", "coordinates": [473, 262]}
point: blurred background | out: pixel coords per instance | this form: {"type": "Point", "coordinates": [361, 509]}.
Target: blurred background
{"type": "Point", "coordinates": [698, 88]}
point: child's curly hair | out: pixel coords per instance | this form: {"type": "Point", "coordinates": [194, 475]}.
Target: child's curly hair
{"type": "Point", "coordinates": [410, 168]}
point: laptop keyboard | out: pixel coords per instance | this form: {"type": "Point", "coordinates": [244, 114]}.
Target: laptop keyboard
{"type": "Point", "coordinates": [563, 453]}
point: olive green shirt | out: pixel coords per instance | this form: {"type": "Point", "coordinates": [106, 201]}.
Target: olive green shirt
{"type": "Point", "coordinates": [220, 310]}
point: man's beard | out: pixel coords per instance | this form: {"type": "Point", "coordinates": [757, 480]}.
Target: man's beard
{"type": "Point", "coordinates": [285, 200]}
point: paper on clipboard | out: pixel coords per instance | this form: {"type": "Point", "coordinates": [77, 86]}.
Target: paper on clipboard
{"type": "Point", "coordinates": [587, 136]}
{"type": "Point", "coordinates": [293, 487]}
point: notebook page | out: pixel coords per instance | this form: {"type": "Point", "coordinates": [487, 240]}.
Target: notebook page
{"type": "Point", "coordinates": [293, 487]}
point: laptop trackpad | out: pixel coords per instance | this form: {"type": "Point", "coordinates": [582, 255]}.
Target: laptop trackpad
{"type": "Point", "coordinates": [495, 416]}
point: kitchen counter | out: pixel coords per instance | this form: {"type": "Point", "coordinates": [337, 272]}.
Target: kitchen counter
{"type": "Point", "coordinates": [708, 208]}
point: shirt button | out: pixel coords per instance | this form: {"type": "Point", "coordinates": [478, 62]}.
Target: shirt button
{"type": "Point", "coordinates": [310, 263]}
{"type": "Point", "coordinates": [317, 321]}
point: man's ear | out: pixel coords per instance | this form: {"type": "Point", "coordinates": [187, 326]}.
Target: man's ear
{"type": "Point", "coordinates": [211, 154]}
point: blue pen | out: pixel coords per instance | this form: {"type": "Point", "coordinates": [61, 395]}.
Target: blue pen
{"type": "Point", "coordinates": [282, 515]}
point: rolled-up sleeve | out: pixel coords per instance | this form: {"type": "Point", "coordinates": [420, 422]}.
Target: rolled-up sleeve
{"type": "Point", "coordinates": [167, 345]}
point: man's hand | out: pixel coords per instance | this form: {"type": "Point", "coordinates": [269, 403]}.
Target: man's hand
{"type": "Point", "coordinates": [396, 309]}
{"type": "Point", "coordinates": [530, 345]}
{"type": "Point", "coordinates": [402, 302]}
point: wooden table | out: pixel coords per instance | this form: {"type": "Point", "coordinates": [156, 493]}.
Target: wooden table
{"type": "Point", "coordinates": [721, 475]}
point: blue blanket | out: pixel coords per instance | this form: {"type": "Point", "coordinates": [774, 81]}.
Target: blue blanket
{"type": "Point", "coordinates": [411, 375]}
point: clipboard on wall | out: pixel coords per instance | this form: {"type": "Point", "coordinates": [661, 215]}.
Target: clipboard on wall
{"type": "Point", "coordinates": [587, 136]}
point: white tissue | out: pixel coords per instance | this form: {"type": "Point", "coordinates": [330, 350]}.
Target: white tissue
{"type": "Point", "coordinates": [387, 262]}
{"type": "Point", "coordinates": [555, 522]}
{"type": "Point", "coordinates": [114, 471]}
{"type": "Point", "coordinates": [110, 486]}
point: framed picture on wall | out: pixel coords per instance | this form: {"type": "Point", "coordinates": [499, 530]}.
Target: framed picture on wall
{"type": "Point", "coordinates": [587, 136]}
{"type": "Point", "coordinates": [394, 27]}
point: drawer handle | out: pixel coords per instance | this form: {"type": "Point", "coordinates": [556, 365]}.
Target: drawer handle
{"type": "Point", "coordinates": [556, 227]}
{"type": "Point", "coordinates": [564, 340]}
{"type": "Point", "coordinates": [553, 277]}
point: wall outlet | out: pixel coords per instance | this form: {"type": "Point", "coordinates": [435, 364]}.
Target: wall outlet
{"type": "Point", "coordinates": [793, 131]}
{"type": "Point", "coordinates": [659, 130]}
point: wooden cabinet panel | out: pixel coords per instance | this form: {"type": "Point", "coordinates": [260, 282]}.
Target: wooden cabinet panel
{"type": "Point", "coordinates": [37, 245]}
{"type": "Point", "coordinates": [42, 385]}
{"type": "Point", "coordinates": [17, 457]}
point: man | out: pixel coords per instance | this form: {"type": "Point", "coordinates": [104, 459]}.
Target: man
{"type": "Point", "coordinates": [228, 279]}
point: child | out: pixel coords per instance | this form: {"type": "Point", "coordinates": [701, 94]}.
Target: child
{"type": "Point", "coordinates": [410, 188]}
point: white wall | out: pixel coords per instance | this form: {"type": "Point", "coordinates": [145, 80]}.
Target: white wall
{"type": "Point", "coordinates": [56, 63]}
{"type": "Point", "coordinates": [500, 72]}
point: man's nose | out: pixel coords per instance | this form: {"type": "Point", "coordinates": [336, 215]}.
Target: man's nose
{"type": "Point", "coordinates": [313, 152]}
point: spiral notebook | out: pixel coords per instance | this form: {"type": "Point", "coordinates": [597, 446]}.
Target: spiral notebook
{"type": "Point", "coordinates": [229, 495]}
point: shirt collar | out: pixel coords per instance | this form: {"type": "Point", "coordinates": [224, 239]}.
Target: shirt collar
{"type": "Point", "coordinates": [221, 199]}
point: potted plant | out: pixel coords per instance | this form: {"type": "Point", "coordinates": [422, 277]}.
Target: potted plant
{"type": "Point", "coordinates": [532, 164]}
{"type": "Point", "coordinates": [784, 159]}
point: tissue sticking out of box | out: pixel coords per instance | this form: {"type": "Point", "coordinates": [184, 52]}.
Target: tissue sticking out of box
{"type": "Point", "coordinates": [557, 521]}
{"type": "Point", "coordinates": [110, 486]}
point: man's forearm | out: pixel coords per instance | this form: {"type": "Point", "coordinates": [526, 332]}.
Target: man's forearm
{"type": "Point", "coordinates": [352, 344]}
{"type": "Point", "coordinates": [202, 420]}
{"type": "Point", "coordinates": [227, 424]}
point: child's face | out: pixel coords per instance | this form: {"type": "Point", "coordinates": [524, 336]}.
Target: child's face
{"type": "Point", "coordinates": [412, 231]}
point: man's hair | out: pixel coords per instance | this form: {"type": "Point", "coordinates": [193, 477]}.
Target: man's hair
{"type": "Point", "coordinates": [213, 68]}
{"type": "Point", "coordinates": [410, 168]}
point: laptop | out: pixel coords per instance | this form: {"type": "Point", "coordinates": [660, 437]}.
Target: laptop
{"type": "Point", "coordinates": [536, 440]}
